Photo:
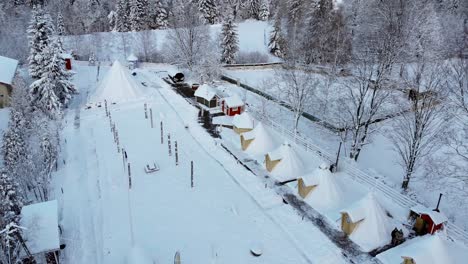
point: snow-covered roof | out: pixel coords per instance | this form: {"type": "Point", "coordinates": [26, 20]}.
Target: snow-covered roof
{"type": "Point", "coordinates": [290, 165]}
{"type": "Point", "coordinates": [41, 223]}
{"type": "Point", "coordinates": [132, 57]}
{"type": "Point", "coordinates": [244, 120]}
{"type": "Point", "coordinates": [206, 92]}
{"type": "Point", "coordinates": [117, 86]}
{"type": "Point", "coordinates": [436, 217]}
{"type": "Point", "coordinates": [263, 141]}
{"type": "Point", "coordinates": [428, 249]}
{"type": "Point", "coordinates": [328, 192]}
{"type": "Point", "coordinates": [138, 256]}
{"type": "Point", "coordinates": [7, 70]}
{"type": "Point", "coordinates": [67, 56]}
{"type": "Point", "coordinates": [376, 226]}
{"type": "Point", "coordinates": [233, 101]}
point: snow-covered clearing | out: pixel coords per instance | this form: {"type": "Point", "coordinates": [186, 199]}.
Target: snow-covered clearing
{"type": "Point", "coordinates": [227, 213]}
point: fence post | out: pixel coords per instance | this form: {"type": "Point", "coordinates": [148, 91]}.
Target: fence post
{"type": "Point", "coordinates": [176, 154]}
{"type": "Point", "coordinates": [146, 111]}
{"type": "Point", "coordinates": [169, 144]}
{"type": "Point", "coordinates": [162, 133]}
{"type": "Point", "coordinates": [191, 173]}
{"type": "Point", "coordinates": [129, 177]}
{"type": "Point", "coordinates": [151, 116]}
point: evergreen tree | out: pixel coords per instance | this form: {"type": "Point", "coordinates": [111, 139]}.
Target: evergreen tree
{"type": "Point", "coordinates": [123, 12]}
{"type": "Point", "coordinates": [138, 15]}
{"type": "Point", "coordinates": [60, 25]}
{"type": "Point", "coordinates": [14, 145]}
{"type": "Point", "coordinates": [230, 42]}
{"type": "Point", "coordinates": [39, 31]}
{"type": "Point", "coordinates": [113, 19]}
{"type": "Point", "coordinates": [277, 43]}
{"type": "Point", "coordinates": [43, 91]}
{"type": "Point", "coordinates": [161, 16]}
{"type": "Point", "coordinates": [209, 11]}
{"type": "Point", "coordinates": [254, 8]}
{"type": "Point", "coordinates": [264, 12]}
{"type": "Point", "coordinates": [64, 89]}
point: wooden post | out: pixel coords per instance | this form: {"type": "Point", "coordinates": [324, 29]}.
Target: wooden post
{"type": "Point", "coordinates": [151, 117]}
{"type": "Point", "coordinates": [176, 154]}
{"type": "Point", "coordinates": [191, 173]}
{"type": "Point", "coordinates": [105, 105]}
{"type": "Point", "coordinates": [146, 111]}
{"type": "Point", "coordinates": [169, 144]}
{"type": "Point", "coordinates": [335, 167]}
{"type": "Point", "coordinates": [129, 177]}
{"type": "Point", "coordinates": [162, 133]}
{"type": "Point", "coordinates": [123, 157]}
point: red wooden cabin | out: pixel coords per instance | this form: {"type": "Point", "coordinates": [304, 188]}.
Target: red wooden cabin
{"type": "Point", "coordinates": [68, 61]}
{"type": "Point", "coordinates": [427, 221]}
{"type": "Point", "coordinates": [232, 106]}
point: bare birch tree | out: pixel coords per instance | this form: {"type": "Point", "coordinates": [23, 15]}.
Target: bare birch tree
{"type": "Point", "coordinates": [416, 132]}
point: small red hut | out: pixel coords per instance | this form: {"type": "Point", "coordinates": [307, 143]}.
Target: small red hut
{"type": "Point", "coordinates": [427, 221]}
{"type": "Point", "coordinates": [68, 61]}
{"type": "Point", "coordinates": [232, 105]}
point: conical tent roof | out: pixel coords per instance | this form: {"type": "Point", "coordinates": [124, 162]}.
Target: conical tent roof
{"type": "Point", "coordinates": [263, 141]}
{"type": "Point", "coordinates": [328, 192]}
{"type": "Point", "coordinates": [118, 86]}
{"type": "Point", "coordinates": [375, 227]}
{"type": "Point", "coordinates": [243, 120]}
{"type": "Point", "coordinates": [290, 166]}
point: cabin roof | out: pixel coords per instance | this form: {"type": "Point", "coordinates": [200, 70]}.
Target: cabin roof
{"type": "Point", "coordinates": [8, 68]}
{"type": "Point", "coordinates": [437, 217]}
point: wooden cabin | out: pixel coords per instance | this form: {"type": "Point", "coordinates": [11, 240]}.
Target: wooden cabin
{"type": "Point", "coordinates": [7, 74]}
{"type": "Point", "coordinates": [207, 96]}
{"type": "Point", "coordinates": [427, 221]}
{"type": "Point", "coordinates": [68, 61]}
{"type": "Point", "coordinates": [232, 105]}
{"type": "Point", "coordinates": [41, 233]}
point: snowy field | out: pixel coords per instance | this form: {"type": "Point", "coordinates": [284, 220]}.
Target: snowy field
{"type": "Point", "coordinates": [217, 221]}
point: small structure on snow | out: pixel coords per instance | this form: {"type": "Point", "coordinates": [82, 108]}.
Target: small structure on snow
{"type": "Point", "coordinates": [41, 232]}
{"type": "Point", "coordinates": [284, 163]}
{"type": "Point", "coordinates": [367, 223]}
{"type": "Point", "coordinates": [243, 123]}
{"type": "Point", "coordinates": [427, 249]}
{"type": "Point", "coordinates": [7, 74]}
{"type": "Point", "coordinates": [322, 184]}
{"type": "Point", "coordinates": [117, 86]}
{"type": "Point", "coordinates": [132, 61]}
{"type": "Point", "coordinates": [427, 221]}
{"type": "Point", "coordinates": [232, 105]}
{"type": "Point", "coordinates": [258, 141]}
{"type": "Point", "coordinates": [68, 61]}
{"type": "Point", "coordinates": [207, 96]}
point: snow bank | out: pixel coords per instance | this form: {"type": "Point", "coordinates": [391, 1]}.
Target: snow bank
{"type": "Point", "coordinates": [118, 86]}
{"type": "Point", "coordinates": [290, 166]}
{"type": "Point", "coordinates": [428, 249]}
{"type": "Point", "coordinates": [263, 141]}
{"type": "Point", "coordinates": [375, 227]}
{"type": "Point", "coordinates": [244, 120]}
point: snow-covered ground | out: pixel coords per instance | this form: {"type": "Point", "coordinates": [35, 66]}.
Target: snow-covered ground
{"type": "Point", "coordinates": [226, 214]}
{"type": "Point", "coordinates": [4, 117]}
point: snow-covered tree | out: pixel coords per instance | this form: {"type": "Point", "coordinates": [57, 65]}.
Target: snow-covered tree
{"type": "Point", "coordinates": [43, 91]}
{"type": "Point", "coordinates": [92, 59]}
{"type": "Point", "coordinates": [253, 7]}
{"type": "Point", "coordinates": [14, 143]}
{"type": "Point", "coordinates": [209, 10]}
{"type": "Point", "coordinates": [40, 31]}
{"type": "Point", "coordinates": [138, 15]}
{"type": "Point", "coordinates": [122, 23]}
{"type": "Point", "coordinates": [264, 12]}
{"type": "Point", "coordinates": [60, 25]}
{"type": "Point", "coordinates": [276, 44]}
{"type": "Point", "coordinates": [161, 16]}
{"type": "Point", "coordinates": [229, 42]}
{"type": "Point", "coordinates": [113, 20]}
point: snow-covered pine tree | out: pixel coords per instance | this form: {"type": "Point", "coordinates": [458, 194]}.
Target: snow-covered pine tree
{"type": "Point", "coordinates": [39, 31]}
{"type": "Point", "coordinates": [161, 16]}
{"type": "Point", "coordinates": [276, 45]}
{"type": "Point", "coordinates": [14, 145]}
{"type": "Point", "coordinates": [138, 15]}
{"type": "Point", "coordinates": [209, 11]}
{"type": "Point", "coordinates": [253, 7]}
{"type": "Point", "coordinates": [112, 18]}
{"type": "Point", "coordinates": [43, 96]}
{"type": "Point", "coordinates": [264, 12]}
{"type": "Point", "coordinates": [92, 59]}
{"type": "Point", "coordinates": [60, 25]}
{"type": "Point", "coordinates": [122, 20]}
{"type": "Point", "coordinates": [230, 41]}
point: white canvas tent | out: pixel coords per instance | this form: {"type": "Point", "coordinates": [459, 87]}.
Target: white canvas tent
{"type": "Point", "coordinates": [328, 192]}
{"type": "Point", "coordinates": [262, 140]}
{"type": "Point", "coordinates": [290, 165]}
{"type": "Point", "coordinates": [243, 121]}
{"type": "Point", "coordinates": [117, 86]}
{"type": "Point", "coordinates": [428, 249]}
{"type": "Point", "coordinates": [374, 225]}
